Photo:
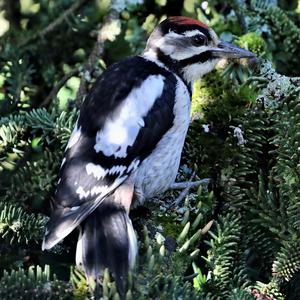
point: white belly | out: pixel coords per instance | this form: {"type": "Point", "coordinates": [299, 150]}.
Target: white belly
{"type": "Point", "coordinates": [158, 171]}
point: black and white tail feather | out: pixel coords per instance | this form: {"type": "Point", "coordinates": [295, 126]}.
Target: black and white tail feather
{"type": "Point", "coordinates": [107, 239]}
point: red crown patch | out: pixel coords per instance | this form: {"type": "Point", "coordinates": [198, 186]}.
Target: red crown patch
{"type": "Point", "coordinates": [187, 21]}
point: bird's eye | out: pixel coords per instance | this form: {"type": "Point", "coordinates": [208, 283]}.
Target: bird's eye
{"type": "Point", "coordinates": [199, 40]}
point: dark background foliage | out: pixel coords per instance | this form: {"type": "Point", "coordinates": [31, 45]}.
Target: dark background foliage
{"type": "Point", "coordinates": [238, 237]}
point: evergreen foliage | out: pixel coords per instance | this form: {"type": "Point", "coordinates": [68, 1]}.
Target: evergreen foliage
{"type": "Point", "coordinates": [16, 225]}
{"type": "Point", "coordinates": [239, 237]}
{"type": "Point", "coordinates": [33, 284]}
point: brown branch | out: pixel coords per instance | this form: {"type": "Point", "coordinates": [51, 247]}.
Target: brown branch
{"type": "Point", "coordinates": [96, 53]}
{"type": "Point", "coordinates": [57, 87]}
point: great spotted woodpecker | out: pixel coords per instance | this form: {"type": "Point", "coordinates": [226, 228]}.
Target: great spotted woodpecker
{"type": "Point", "coordinates": [127, 142]}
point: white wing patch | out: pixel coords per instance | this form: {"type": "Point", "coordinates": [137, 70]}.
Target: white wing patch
{"type": "Point", "coordinates": [96, 190]}
{"type": "Point", "coordinates": [63, 162]}
{"type": "Point", "coordinates": [82, 193]}
{"type": "Point", "coordinates": [74, 136]}
{"type": "Point", "coordinates": [99, 172]}
{"type": "Point", "coordinates": [100, 190]}
{"type": "Point", "coordinates": [74, 208]}
{"type": "Point", "coordinates": [117, 169]}
{"type": "Point", "coordinates": [135, 163]}
{"type": "Point", "coordinates": [121, 131]}
{"type": "Point", "coordinates": [96, 170]}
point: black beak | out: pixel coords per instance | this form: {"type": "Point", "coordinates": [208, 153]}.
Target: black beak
{"type": "Point", "coordinates": [227, 50]}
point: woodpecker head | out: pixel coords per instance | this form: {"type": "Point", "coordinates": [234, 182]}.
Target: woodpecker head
{"type": "Point", "coordinates": [190, 48]}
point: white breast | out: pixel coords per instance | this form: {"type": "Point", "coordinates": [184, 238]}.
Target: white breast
{"type": "Point", "coordinates": [158, 171]}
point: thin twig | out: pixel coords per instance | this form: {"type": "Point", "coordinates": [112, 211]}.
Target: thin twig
{"type": "Point", "coordinates": [61, 18]}
{"type": "Point", "coordinates": [57, 87]}
{"type": "Point", "coordinates": [53, 25]}
{"type": "Point", "coordinates": [93, 57]}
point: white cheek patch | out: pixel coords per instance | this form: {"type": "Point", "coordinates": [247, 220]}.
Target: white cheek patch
{"type": "Point", "coordinates": [120, 132]}
{"type": "Point", "coordinates": [163, 41]}
{"type": "Point", "coordinates": [180, 51]}
{"type": "Point", "coordinates": [166, 43]}
{"type": "Point", "coordinates": [74, 138]}
{"type": "Point", "coordinates": [188, 52]}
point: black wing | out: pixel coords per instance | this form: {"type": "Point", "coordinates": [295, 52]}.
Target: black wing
{"type": "Point", "coordinates": [123, 118]}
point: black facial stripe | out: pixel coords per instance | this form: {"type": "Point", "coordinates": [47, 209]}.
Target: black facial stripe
{"type": "Point", "coordinates": [173, 65]}
{"type": "Point", "coordinates": [200, 58]}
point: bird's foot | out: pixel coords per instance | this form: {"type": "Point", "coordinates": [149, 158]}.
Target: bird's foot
{"type": "Point", "coordinates": [189, 184]}
{"type": "Point", "coordinates": [186, 186]}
